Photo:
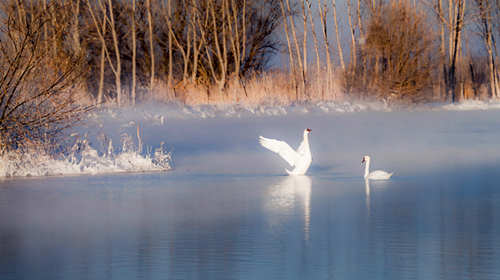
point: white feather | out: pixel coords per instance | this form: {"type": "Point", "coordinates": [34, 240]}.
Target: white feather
{"type": "Point", "coordinates": [377, 174]}
{"type": "Point", "coordinates": [281, 148]}
{"type": "Point", "coordinates": [300, 159]}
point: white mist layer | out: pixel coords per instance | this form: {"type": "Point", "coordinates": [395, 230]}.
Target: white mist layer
{"type": "Point", "coordinates": [179, 111]}
{"type": "Point", "coordinates": [217, 139]}
{"type": "Point", "coordinates": [158, 114]}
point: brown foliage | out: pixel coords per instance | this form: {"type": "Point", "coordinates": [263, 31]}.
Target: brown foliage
{"type": "Point", "coordinates": [398, 57]}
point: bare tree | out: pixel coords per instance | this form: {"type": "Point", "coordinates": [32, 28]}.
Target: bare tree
{"type": "Point", "coordinates": [36, 101]}
{"type": "Point", "coordinates": [457, 19]}
{"type": "Point", "coordinates": [141, 42]}
{"type": "Point", "coordinates": [297, 49]}
{"type": "Point", "coordinates": [339, 45]}
{"type": "Point", "coordinates": [102, 64]}
{"type": "Point", "coordinates": [118, 69]}
{"type": "Point", "coordinates": [166, 15]}
{"type": "Point", "coordinates": [442, 48]}
{"type": "Point", "coordinates": [287, 34]}
{"type": "Point", "coordinates": [485, 26]}
{"type": "Point", "coordinates": [184, 48]}
{"type": "Point", "coordinates": [100, 27]}
{"type": "Point", "coordinates": [197, 24]}
{"type": "Point", "coordinates": [315, 37]}
{"type": "Point", "coordinates": [75, 26]}
{"type": "Point", "coordinates": [400, 53]}
{"type": "Point", "coordinates": [352, 29]}
{"type": "Point", "coordinates": [323, 13]}
{"type": "Point", "coordinates": [170, 49]}
{"type": "Point", "coordinates": [304, 36]}
{"type": "Point", "coordinates": [219, 43]}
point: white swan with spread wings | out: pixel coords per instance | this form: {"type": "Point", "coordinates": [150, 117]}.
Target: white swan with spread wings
{"type": "Point", "coordinates": [300, 159]}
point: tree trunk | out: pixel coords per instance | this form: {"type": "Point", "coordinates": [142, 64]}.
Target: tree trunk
{"type": "Point", "coordinates": [487, 35]}
{"type": "Point", "coordinates": [339, 45]}
{"type": "Point", "coordinates": [184, 52]}
{"type": "Point", "coordinates": [221, 54]}
{"type": "Point", "coordinates": [102, 64]}
{"type": "Point", "coordinates": [315, 39]}
{"type": "Point", "coordinates": [297, 49]}
{"type": "Point", "coordinates": [244, 33]}
{"type": "Point", "coordinates": [442, 49]}
{"type": "Point", "coordinates": [197, 43]}
{"type": "Point", "coordinates": [323, 13]}
{"type": "Point", "coordinates": [170, 50]}
{"type": "Point", "coordinates": [118, 69]}
{"type": "Point", "coordinates": [456, 37]}
{"type": "Point", "coordinates": [287, 34]}
{"type": "Point", "coordinates": [45, 28]}
{"type": "Point", "coordinates": [54, 23]}
{"type": "Point", "coordinates": [76, 27]}
{"type": "Point", "coordinates": [353, 39]}
{"type": "Point", "coordinates": [134, 52]}
{"type": "Point", "coordinates": [234, 36]}
{"type": "Point", "coordinates": [304, 39]}
{"type": "Point", "coordinates": [360, 23]}
{"type": "Point", "coordinates": [151, 46]}
{"type": "Point", "coordinates": [101, 28]}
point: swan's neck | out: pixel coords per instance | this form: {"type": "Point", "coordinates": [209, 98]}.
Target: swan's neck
{"type": "Point", "coordinates": [367, 167]}
{"type": "Point", "coordinates": [306, 141]}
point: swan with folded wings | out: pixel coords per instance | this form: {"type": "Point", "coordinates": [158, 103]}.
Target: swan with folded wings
{"type": "Point", "coordinates": [374, 175]}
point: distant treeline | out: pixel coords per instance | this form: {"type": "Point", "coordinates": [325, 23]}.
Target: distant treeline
{"type": "Point", "coordinates": [127, 48]}
{"type": "Point", "coordinates": [219, 50]}
{"type": "Point", "coordinates": [399, 50]}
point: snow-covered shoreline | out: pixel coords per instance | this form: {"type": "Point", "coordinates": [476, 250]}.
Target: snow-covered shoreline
{"type": "Point", "coordinates": [473, 105]}
{"type": "Point", "coordinates": [84, 162]}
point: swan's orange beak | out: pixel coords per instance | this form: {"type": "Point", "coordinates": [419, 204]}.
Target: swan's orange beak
{"type": "Point", "coordinates": [309, 130]}
{"type": "Point", "coordinates": [363, 161]}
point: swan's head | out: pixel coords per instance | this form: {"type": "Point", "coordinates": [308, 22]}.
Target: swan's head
{"type": "Point", "coordinates": [365, 159]}
{"type": "Point", "coordinates": [307, 131]}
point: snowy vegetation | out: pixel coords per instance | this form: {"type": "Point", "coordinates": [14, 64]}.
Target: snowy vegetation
{"type": "Point", "coordinates": [82, 158]}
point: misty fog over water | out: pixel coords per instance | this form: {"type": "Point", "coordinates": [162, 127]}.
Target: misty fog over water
{"type": "Point", "coordinates": [408, 143]}
{"type": "Point", "coordinates": [226, 210]}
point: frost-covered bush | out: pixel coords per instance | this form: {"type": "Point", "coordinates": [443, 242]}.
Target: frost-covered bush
{"type": "Point", "coordinates": [82, 158]}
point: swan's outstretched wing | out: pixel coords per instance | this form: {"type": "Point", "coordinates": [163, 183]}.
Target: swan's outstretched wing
{"type": "Point", "coordinates": [281, 148]}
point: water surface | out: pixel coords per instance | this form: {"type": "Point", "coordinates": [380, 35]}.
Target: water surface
{"type": "Point", "coordinates": [227, 211]}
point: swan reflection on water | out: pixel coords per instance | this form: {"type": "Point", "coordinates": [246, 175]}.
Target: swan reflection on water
{"type": "Point", "coordinates": [367, 188]}
{"type": "Point", "coordinates": [292, 192]}
{"type": "Point", "coordinates": [367, 192]}
{"type": "Point", "coordinates": [370, 191]}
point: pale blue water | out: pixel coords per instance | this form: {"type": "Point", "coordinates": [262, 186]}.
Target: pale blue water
{"type": "Point", "coordinates": [233, 216]}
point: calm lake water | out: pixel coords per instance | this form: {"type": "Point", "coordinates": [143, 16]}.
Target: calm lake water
{"type": "Point", "coordinates": [437, 218]}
